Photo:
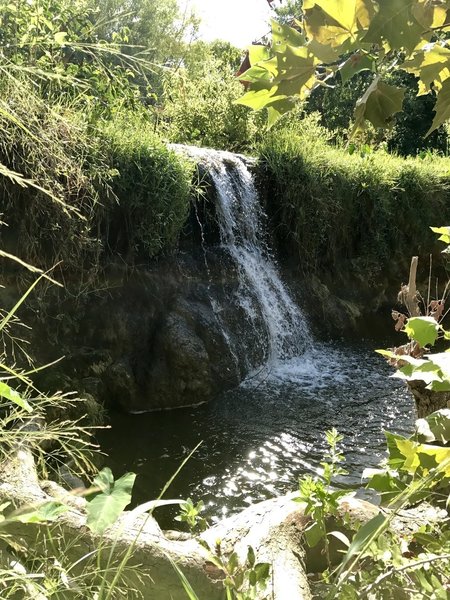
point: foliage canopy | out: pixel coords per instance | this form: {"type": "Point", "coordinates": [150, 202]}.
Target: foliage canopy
{"type": "Point", "coordinates": [348, 37]}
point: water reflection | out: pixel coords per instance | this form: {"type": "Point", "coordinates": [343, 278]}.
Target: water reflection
{"type": "Point", "coordinates": [258, 439]}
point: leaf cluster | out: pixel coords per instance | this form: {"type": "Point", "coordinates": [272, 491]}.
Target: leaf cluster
{"type": "Point", "coordinates": [334, 37]}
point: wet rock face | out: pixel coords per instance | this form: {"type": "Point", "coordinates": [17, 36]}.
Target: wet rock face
{"type": "Point", "coordinates": [152, 341]}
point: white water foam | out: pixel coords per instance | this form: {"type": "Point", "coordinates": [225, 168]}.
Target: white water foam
{"type": "Point", "coordinates": [261, 291]}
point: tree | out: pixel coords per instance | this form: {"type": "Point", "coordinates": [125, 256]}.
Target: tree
{"type": "Point", "coordinates": [348, 37]}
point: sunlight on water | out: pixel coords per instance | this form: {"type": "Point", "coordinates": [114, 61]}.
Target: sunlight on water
{"type": "Point", "coordinates": [259, 438]}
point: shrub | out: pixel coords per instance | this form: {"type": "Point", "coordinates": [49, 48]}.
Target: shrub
{"type": "Point", "coordinates": [199, 109]}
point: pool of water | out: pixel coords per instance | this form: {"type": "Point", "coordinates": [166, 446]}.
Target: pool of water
{"type": "Point", "coordinates": [257, 440]}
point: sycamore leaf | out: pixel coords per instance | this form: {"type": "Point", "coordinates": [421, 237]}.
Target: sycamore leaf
{"type": "Point", "coordinates": [430, 64]}
{"type": "Point", "coordinates": [429, 14]}
{"type": "Point", "coordinates": [442, 107]}
{"type": "Point", "coordinates": [423, 330]}
{"type": "Point", "coordinates": [359, 61]}
{"type": "Point", "coordinates": [423, 457]}
{"type": "Point", "coordinates": [395, 24]}
{"type": "Point", "coordinates": [283, 35]}
{"type": "Point", "coordinates": [104, 509]}
{"type": "Point", "coordinates": [347, 16]}
{"type": "Point", "coordinates": [324, 53]}
{"type": "Point", "coordinates": [7, 392]}
{"type": "Point", "coordinates": [258, 99]}
{"type": "Point", "coordinates": [257, 53]}
{"type": "Point", "coordinates": [324, 29]}
{"type": "Point", "coordinates": [442, 361]}
{"type": "Point", "coordinates": [278, 109]}
{"type": "Point", "coordinates": [378, 104]}
{"type": "Point", "coordinates": [435, 427]}
{"type": "Point", "coordinates": [428, 372]}
{"type": "Point", "coordinates": [444, 233]}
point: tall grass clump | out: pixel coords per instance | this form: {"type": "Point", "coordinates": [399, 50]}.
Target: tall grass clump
{"type": "Point", "coordinates": [362, 207]}
{"type": "Point", "coordinates": [152, 185]}
{"type": "Point", "coordinates": [84, 191]}
{"type": "Point", "coordinates": [51, 204]}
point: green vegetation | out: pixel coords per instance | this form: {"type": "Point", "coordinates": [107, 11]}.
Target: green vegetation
{"type": "Point", "coordinates": [200, 106]}
{"type": "Point", "coordinates": [90, 94]}
{"type": "Point", "coordinates": [382, 558]}
{"type": "Point", "coordinates": [152, 186]}
{"type": "Point", "coordinates": [350, 203]}
{"type": "Point", "coordinates": [381, 37]}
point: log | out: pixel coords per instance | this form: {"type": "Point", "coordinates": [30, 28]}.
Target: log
{"type": "Point", "coordinates": [272, 528]}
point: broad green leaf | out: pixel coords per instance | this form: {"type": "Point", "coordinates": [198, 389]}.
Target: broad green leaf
{"type": "Point", "coordinates": [7, 392]}
{"type": "Point", "coordinates": [283, 36]}
{"type": "Point", "coordinates": [428, 372]}
{"type": "Point", "coordinates": [416, 362]}
{"type": "Point", "coordinates": [47, 512]}
{"type": "Point", "coordinates": [60, 37]}
{"type": "Point", "coordinates": [378, 104]}
{"type": "Point", "coordinates": [439, 386]}
{"type": "Point", "coordinates": [396, 458]}
{"type": "Point", "coordinates": [442, 361]}
{"type": "Point", "coordinates": [430, 65]}
{"type": "Point", "coordinates": [434, 428]}
{"type": "Point", "coordinates": [313, 534]}
{"type": "Point", "coordinates": [256, 73]}
{"type": "Point", "coordinates": [257, 53]}
{"type": "Point", "coordinates": [417, 456]}
{"type": "Point", "coordinates": [395, 24]}
{"type": "Point", "coordinates": [387, 484]}
{"type": "Point", "coordinates": [359, 61]}
{"type": "Point", "coordinates": [429, 14]}
{"type": "Point", "coordinates": [442, 107]}
{"type": "Point", "coordinates": [262, 571]}
{"type": "Point", "coordinates": [344, 12]}
{"type": "Point", "coordinates": [423, 330]}
{"type": "Point", "coordinates": [104, 509]}
{"type": "Point", "coordinates": [336, 22]}
{"type": "Point", "coordinates": [444, 233]}
{"type": "Point", "coordinates": [323, 52]}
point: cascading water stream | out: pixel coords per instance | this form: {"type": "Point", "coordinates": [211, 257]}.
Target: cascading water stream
{"type": "Point", "coordinates": [258, 439]}
{"type": "Point", "coordinates": [261, 295]}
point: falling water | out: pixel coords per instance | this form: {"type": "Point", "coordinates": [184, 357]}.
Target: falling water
{"type": "Point", "coordinates": [261, 295]}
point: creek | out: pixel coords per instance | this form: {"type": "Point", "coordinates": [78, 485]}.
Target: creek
{"type": "Point", "coordinates": [257, 439]}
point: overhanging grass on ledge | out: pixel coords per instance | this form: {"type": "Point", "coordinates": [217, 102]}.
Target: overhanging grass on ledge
{"type": "Point", "coordinates": [112, 187]}
{"type": "Point", "coordinates": [329, 207]}
{"type": "Point", "coordinates": [152, 185]}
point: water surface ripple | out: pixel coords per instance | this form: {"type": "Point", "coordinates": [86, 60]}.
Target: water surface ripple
{"type": "Point", "coordinates": [259, 438]}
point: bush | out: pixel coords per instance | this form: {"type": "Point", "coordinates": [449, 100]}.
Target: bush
{"type": "Point", "coordinates": [199, 109]}
{"type": "Point", "coordinates": [115, 188]}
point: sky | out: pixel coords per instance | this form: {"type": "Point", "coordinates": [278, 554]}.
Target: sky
{"type": "Point", "coordinates": [239, 21]}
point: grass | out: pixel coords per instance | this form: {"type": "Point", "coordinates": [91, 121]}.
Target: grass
{"type": "Point", "coordinates": [370, 210]}
{"type": "Point", "coordinates": [152, 186]}
{"type": "Point", "coordinates": [88, 191]}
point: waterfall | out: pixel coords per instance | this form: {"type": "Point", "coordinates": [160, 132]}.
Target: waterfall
{"type": "Point", "coordinates": [261, 294]}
